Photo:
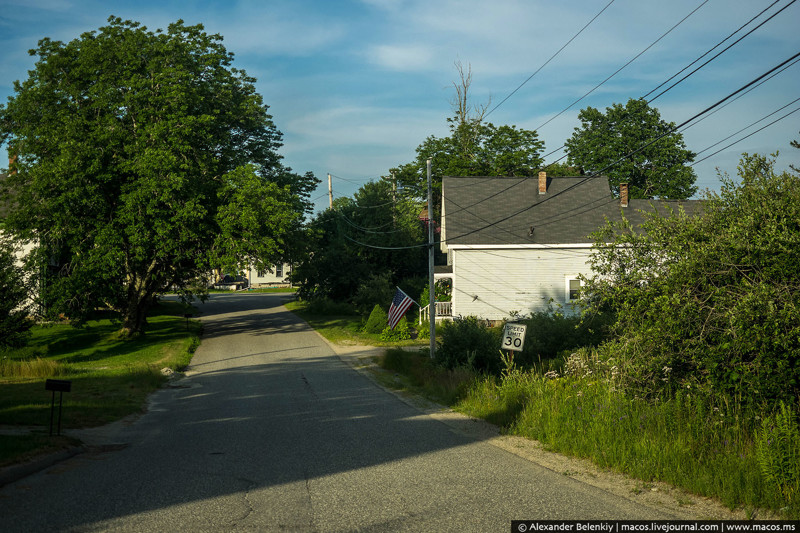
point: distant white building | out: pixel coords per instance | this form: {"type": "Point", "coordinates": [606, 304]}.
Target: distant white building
{"type": "Point", "coordinates": [21, 250]}
{"type": "Point", "coordinates": [276, 276]}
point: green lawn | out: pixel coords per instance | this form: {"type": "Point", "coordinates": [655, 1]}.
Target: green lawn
{"type": "Point", "coordinates": [344, 329]}
{"type": "Point", "coordinates": [111, 377]}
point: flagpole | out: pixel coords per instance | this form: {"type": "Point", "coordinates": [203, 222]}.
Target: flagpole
{"type": "Point", "coordinates": [431, 284]}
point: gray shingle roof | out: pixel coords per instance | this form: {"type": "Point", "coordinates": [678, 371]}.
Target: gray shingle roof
{"type": "Point", "coordinates": [635, 214]}
{"type": "Point", "coordinates": [502, 210]}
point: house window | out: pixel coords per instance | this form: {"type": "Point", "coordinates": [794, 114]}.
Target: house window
{"type": "Point", "coordinates": [279, 270]}
{"type": "Point", "coordinates": [261, 273]}
{"type": "Point", "coordinates": [573, 288]}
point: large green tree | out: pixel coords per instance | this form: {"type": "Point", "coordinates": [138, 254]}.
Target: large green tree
{"type": "Point", "coordinates": [356, 239]}
{"type": "Point", "coordinates": [631, 144]}
{"type": "Point", "coordinates": [143, 160]}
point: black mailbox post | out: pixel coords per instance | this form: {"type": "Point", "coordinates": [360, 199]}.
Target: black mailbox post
{"type": "Point", "coordinates": [61, 386]}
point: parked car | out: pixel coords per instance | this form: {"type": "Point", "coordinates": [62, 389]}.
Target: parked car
{"type": "Point", "coordinates": [231, 283]}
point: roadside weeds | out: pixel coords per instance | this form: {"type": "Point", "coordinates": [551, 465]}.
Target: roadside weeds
{"type": "Point", "coordinates": [657, 495]}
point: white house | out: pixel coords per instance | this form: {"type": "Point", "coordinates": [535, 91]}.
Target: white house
{"type": "Point", "coordinates": [277, 276]}
{"type": "Point", "coordinates": [519, 244]}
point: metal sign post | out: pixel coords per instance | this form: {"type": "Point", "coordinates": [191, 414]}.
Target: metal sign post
{"type": "Point", "coordinates": [61, 386]}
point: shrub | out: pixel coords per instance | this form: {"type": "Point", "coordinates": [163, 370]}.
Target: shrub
{"type": "Point", "coordinates": [551, 333]}
{"type": "Point", "coordinates": [440, 384]}
{"type": "Point", "coordinates": [326, 306]}
{"type": "Point", "coordinates": [443, 292]}
{"type": "Point", "coordinates": [424, 330]}
{"type": "Point", "coordinates": [377, 289]}
{"type": "Point", "coordinates": [377, 320]}
{"type": "Point", "coordinates": [711, 300]}
{"type": "Point", "coordinates": [467, 342]}
{"type": "Point", "coordinates": [400, 332]}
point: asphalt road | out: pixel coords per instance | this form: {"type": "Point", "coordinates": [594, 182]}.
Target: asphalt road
{"type": "Point", "coordinates": [272, 431]}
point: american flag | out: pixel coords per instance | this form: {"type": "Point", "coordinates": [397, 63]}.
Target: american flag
{"type": "Point", "coordinates": [400, 304]}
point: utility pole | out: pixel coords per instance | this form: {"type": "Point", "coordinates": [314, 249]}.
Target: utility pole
{"type": "Point", "coordinates": [394, 200]}
{"type": "Point", "coordinates": [330, 192]}
{"type": "Point", "coordinates": [431, 284]}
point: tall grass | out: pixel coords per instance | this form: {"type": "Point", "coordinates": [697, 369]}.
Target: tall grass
{"type": "Point", "coordinates": [745, 458]}
{"type": "Point", "coordinates": [435, 382]}
{"type": "Point", "coordinates": [686, 441]}
{"type": "Point", "coordinates": [35, 368]}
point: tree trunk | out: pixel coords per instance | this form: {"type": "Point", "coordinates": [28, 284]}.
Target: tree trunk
{"type": "Point", "coordinates": [134, 314]}
{"type": "Point", "coordinates": [134, 318]}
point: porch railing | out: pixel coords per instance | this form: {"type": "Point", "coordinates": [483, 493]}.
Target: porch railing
{"type": "Point", "coordinates": [444, 310]}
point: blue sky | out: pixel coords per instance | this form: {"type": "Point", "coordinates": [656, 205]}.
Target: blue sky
{"type": "Point", "coordinates": [355, 86]}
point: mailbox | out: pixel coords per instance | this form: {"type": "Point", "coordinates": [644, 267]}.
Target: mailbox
{"type": "Point", "coordinates": [58, 385]}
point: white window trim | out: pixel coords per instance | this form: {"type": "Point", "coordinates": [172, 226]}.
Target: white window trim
{"type": "Point", "coordinates": [567, 279]}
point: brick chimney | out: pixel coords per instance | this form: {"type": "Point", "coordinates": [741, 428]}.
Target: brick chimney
{"type": "Point", "coordinates": [542, 182]}
{"type": "Point", "coordinates": [623, 195]}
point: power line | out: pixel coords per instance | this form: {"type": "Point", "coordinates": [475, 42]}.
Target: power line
{"type": "Point", "coordinates": [723, 51]}
{"type": "Point", "coordinates": [709, 51]}
{"type": "Point", "coordinates": [749, 135]}
{"type": "Point", "coordinates": [688, 66]}
{"type": "Point", "coordinates": [740, 89]}
{"type": "Point", "coordinates": [663, 83]}
{"type": "Point", "coordinates": [599, 172]}
{"type": "Point", "coordinates": [365, 229]}
{"type": "Point", "coordinates": [523, 210]}
{"type": "Point", "coordinates": [748, 126]}
{"type": "Point", "coordinates": [623, 66]}
{"type": "Point", "coordinates": [701, 113]}
{"type": "Point", "coordinates": [744, 93]}
{"type": "Point", "coordinates": [353, 181]}
{"type": "Point", "coordinates": [699, 120]}
{"type": "Point", "coordinates": [548, 61]}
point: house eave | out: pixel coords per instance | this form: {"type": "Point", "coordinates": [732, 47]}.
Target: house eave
{"type": "Point", "coordinates": [519, 246]}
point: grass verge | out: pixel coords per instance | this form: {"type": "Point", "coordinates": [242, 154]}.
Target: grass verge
{"type": "Point", "coordinates": [343, 328]}
{"type": "Point", "coordinates": [111, 377]}
{"type": "Point", "coordinates": [413, 371]}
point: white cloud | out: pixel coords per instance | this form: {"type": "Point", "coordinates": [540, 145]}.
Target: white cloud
{"type": "Point", "coordinates": [271, 32]}
{"type": "Point", "coordinates": [403, 57]}
{"type": "Point", "coordinates": [352, 125]}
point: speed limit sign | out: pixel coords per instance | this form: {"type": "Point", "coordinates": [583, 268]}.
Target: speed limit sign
{"type": "Point", "coordinates": [513, 337]}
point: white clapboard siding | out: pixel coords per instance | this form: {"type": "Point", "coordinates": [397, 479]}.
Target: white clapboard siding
{"type": "Point", "coordinates": [493, 283]}
{"type": "Point", "coordinates": [276, 275]}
